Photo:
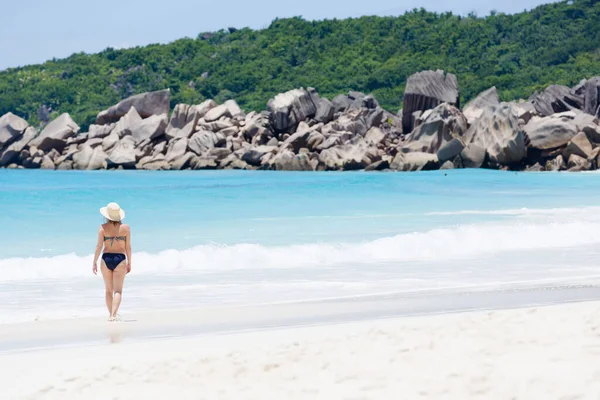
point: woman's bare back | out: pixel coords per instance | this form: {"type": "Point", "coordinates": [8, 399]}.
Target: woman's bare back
{"type": "Point", "coordinates": [115, 237]}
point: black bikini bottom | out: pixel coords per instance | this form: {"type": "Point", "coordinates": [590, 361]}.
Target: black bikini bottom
{"type": "Point", "coordinates": [113, 260]}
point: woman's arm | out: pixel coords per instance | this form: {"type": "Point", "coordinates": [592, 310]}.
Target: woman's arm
{"type": "Point", "coordinates": [99, 244]}
{"type": "Point", "coordinates": [128, 249]}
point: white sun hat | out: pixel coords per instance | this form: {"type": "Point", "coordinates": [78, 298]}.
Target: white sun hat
{"type": "Point", "coordinates": [112, 212]}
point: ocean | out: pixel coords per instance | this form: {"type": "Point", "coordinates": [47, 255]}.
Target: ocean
{"type": "Point", "coordinates": [214, 238]}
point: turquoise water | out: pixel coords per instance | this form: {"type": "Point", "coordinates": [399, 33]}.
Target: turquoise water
{"type": "Point", "coordinates": [47, 213]}
{"type": "Point", "coordinates": [234, 237]}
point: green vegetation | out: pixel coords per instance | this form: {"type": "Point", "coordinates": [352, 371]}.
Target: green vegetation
{"type": "Point", "coordinates": [553, 44]}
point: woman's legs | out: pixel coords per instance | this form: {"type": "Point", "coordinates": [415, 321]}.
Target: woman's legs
{"type": "Point", "coordinates": [107, 274]}
{"type": "Point", "coordinates": [118, 279]}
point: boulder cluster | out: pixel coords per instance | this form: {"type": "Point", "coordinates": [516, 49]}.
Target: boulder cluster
{"type": "Point", "coordinates": [557, 129]}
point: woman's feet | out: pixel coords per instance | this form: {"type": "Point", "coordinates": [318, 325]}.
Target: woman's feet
{"type": "Point", "coordinates": [116, 318]}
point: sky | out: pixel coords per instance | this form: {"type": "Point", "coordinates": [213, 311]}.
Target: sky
{"type": "Point", "coordinates": [33, 31]}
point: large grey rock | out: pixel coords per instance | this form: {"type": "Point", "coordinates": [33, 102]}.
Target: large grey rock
{"type": "Point", "coordinates": [473, 156]}
{"type": "Point", "coordinates": [550, 132]}
{"type": "Point", "coordinates": [160, 148]}
{"type": "Point", "coordinates": [474, 108]}
{"type": "Point", "coordinates": [82, 158]}
{"type": "Point", "coordinates": [263, 136]}
{"type": "Point", "coordinates": [202, 141]}
{"type": "Point", "coordinates": [253, 155]}
{"type": "Point", "coordinates": [56, 133]}
{"type": "Point", "coordinates": [375, 117]}
{"type": "Point", "coordinates": [357, 99]}
{"type": "Point", "coordinates": [335, 139]}
{"type": "Point", "coordinates": [179, 116]}
{"type": "Point", "coordinates": [577, 163]}
{"type": "Point", "coordinates": [215, 126]}
{"type": "Point", "coordinates": [524, 110]}
{"type": "Point", "coordinates": [555, 99]}
{"type": "Point", "coordinates": [11, 153]}
{"type": "Point", "coordinates": [447, 165]}
{"type": "Point", "coordinates": [592, 132]}
{"type": "Point", "coordinates": [426, 90]}
{"type": "Point", "coordinates": [579, 145]}
{"type": "Point", "coordinates": [288, 161]}
{"type": "Point", "coordinates": [450, 150]}
{"type": "Point", "coordinates": [218, 153]}
{"type": "Point", "coordinates": [146, 104]}
{"type": "Point", "coordinates": [256, 124]}
{"type": "Point", "coordinates": [217, 113]}
{"type": "Point", "coordinates": [176, 148]}
{"type": "Point", "coordinates": [150, 128]}
{"type": "Point", "coordinates": [11, 128]}
{"type": "Point", "coordinates": [353, 123]}
{"type": "Point", "coordinates": [233, 162]}
{"type": "Point", "coordinates": [100, 131]}
{"type": "Point", "coordinates": [231, 131]}
{"type": "Point", "coordinates": [341, 103]}
{"type": "Point", "coordinates": [290, 108]}
{"type": "Point", "coordinates": [183, 121]}
{"type": "Point", "coordinates": [156, 165]}
{"type": "Point", "coordinates": [325, 110]}
{"type": "Point", "coordinates": [90, 159]}
{"type": "Point", "coordinates": [234, 108]}
{"type": "Point", "coordinates": [580, 119]}
{"type": "Point", "coordinates": [47, 163]}
{"type": "Point", "coordinates": [441, 125]}
{"type": "Point", "coordinates": [414, 161]}
{"type": "Point", "coordinates": [143, 150]}
{"type": "Point", "coordinates": [77, 139]}
{"type": "Point", "coordinates": [123, 155]}
{"type": "Point", "coordinates": [498, 132]}
{"type": "Point", "coordinates": [109, 142]}
{"type": "Point", "coordinates": [127, 123]}
{"type": "Point", "coordinates": [68, 153]}
{"type": "Point", "coordinates": [53, 154]}
{"type": "Point", "coordinates": [349, 156]}
{"type": "Point", "coordinates": [297, 141]}
{"type": "Point", "coordinates": [65, 165]}
{"type": "Point", "coordinates": [314, 140]}
{"type": "Point", "coordinates": [592, 96]}
{"type": "Point", "coordinates": [201, 109]}
{"type": "Point", "coordinates": [182, 162]}
{"type": "Point", "coordinates": [375, 136]}
{"type": "Point", "coordinates": [369, 102]}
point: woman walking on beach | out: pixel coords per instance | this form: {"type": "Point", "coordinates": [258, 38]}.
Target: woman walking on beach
{"type": "Point", "coordinates": [115, 238]}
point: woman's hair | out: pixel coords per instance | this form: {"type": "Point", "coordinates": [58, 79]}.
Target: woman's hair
{"type": "Point", "coordinates": [108, 221]}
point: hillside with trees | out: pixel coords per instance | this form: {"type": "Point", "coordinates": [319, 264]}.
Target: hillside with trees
{"type": "Point", "coordinates": [556, 43]}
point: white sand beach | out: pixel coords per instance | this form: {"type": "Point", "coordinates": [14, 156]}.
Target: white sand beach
{"type": "Point", "coordinates": [532, 353]}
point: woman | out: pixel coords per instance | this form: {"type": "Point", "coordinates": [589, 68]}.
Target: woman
{"type": "Point", "coordinates": [115, 237]}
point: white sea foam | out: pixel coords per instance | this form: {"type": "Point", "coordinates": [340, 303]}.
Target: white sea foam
{"type": "Point", "coordinates": [559, 231]}
{"type": "Point", "coordinates": [573, 212]}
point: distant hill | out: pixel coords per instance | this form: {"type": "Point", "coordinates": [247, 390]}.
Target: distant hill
{"type": "Point", "coordinates": [556, 43]}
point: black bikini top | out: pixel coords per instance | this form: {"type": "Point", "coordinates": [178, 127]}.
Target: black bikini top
{"type": "Point", "coordinates": [113, 238]}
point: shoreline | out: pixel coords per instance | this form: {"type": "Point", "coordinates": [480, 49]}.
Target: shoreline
{"type": "Point", "coordinates": [147, 326]}
{"type": "Point", "coordinates": [533, 352]}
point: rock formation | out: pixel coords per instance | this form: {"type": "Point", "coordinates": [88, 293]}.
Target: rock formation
{"type": "Point", "coordinates": [497, 131]}
{"type": "Point", "coordinates": [556, 99]}
{"type": "Point", "coordinates": [426, 90]}
{"type": "Point", "coordinates": [555, 130]}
